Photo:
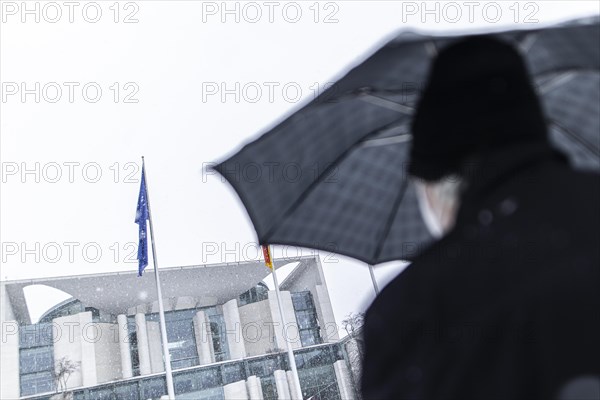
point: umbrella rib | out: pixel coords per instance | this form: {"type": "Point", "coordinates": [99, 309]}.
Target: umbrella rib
{"type": "Point", "coordinates": [385, 103]}
{"type": "Point", "coordinates": [390, 221]}
{"type": "Point", "coordinates": [315, 183]}
{"type": "Point", "coordinates": [401, 138]}
{"type": "Point", "coordinates": [555, 82]}
{"type": "Point", "coordinates": [376, 93]}
{"type": "Point", "coordinates": [587, 145]}
{"type": "Point", "coordinates": [526, 41]}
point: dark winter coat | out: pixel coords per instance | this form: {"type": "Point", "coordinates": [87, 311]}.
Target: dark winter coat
{"type": "Point", "coordinates": [507, 305]}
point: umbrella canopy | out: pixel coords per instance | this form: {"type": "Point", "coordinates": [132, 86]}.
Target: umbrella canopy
{"type": "Point", "coordinates": [332, 176]}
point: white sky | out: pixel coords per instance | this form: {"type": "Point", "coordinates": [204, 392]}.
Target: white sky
{"type": "Point", "coordinates": [175, 51]}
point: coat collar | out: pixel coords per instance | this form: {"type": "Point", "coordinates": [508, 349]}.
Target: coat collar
{"type": "Point", "coordinates": [487, 172]}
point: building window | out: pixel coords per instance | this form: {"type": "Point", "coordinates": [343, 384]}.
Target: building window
{"type": "Point", "coordinates": [133, 345]}
{"type": "Point", "coordinates": [306, 317]}
{"type": "Point", "coordinates": [264, 367]}
{"type": "Point", "coordinates": [182, 343]}
{"type": "Point", "coordinates": [68, 307]}
{"type": "Point", "coordinates": [218, 333]}
{"type": "Point", "coordinates": [319, 383]}
{"type": "Point", "coordinates": [35, 335]}
{"type": "Point", "coordinates": [135, 357]}
{"type": "Point", "coordinates": [36, 359]}
{"type": "Point", "coordinates": [127, 391]}
{"type": "Point", "coordinates": [211, 378]}
{"type": "Point", "coordinates": [40, 382]}
{"type": "Point", "coordinates": [202, 384]}
{"type": "Point", "coordinates": [314, 358]}
{"type": "Point", "coordinates": [317, 376]}
{"type": "Point", "coordinates": [181, 337]}
{"type": "Point", "coordinates": [153, 388]}
{"type": "Point", "coordinates": [258, 293]}
{"type": "Point", "coordinates": [233, 373]}
{"type": "Point", "coordinates": [102, 394]}
{"type": "Point", "coordinates": [219, 342]}
{"type": "Point", "coordinates": [95, 313]}
{"type": "Point", "coordinates": [269, 388]}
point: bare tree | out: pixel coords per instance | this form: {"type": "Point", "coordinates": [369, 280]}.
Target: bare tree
{"type": "Point", "coordinates": [353, 323]}
{"type": "Point", "coordinates": [63, 370]}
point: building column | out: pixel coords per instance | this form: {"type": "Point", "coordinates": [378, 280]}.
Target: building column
{"type": "Point", "coordinates": [290, 331]}
{"type": "Point", "coordinates": [343, 379]}
{"type": "Point", "coordinates": [233, 326]}
{"type": "Point", "coordinates": [329, 331]}
{"type": "Point", "coordinates": [203, 334]}
{"type": "Point", "coordinates": [281, 383]}
{"type": "Point", "coordinates": [125, 349]}
{"type": "Point", "coordinates": [235, 391]}
{"type": "Point", "coordinates": [155, 346]}
{"type": "Point", "coordinates": [75, 338]}
{"type": "Point", "coordinates": [254, 388]}
{"type": "Point", "coordinates": [143, 345]}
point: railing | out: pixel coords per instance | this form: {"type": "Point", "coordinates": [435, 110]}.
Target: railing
{"type": "Point", "coordinates": [218, 373]}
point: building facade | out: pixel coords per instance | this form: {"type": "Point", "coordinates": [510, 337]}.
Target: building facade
{"type": "Point", "coordinates": [225, 336]}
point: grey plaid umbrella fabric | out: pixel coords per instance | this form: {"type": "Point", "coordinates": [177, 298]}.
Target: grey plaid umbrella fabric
{"type": "Point", "coordinates": [333, 176]}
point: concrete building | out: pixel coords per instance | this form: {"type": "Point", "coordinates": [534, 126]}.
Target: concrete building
{"type": "Point", "coordinates": [226, 340]}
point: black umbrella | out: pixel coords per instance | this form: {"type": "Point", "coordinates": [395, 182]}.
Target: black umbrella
{"type": "Point", "coordinates": [332, 176]}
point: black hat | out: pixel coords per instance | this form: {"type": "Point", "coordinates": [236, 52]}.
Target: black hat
{"type": "Point", "coordinates": [478, 98]}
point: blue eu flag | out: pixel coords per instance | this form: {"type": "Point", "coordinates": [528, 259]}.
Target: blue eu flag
{"type": "Point", "coordinates": [141, 216]}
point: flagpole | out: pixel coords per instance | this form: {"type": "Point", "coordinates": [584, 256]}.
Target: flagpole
{"type": "Point", "coordinates": [161, 308]}
{"type": "Point", "coordinates": [291, 358]}
{"type": "Point", "coordinates": [375, 286]}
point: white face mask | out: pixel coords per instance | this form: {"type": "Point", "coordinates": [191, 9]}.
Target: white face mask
{"type": "Point", "coordinates": [438, 203]}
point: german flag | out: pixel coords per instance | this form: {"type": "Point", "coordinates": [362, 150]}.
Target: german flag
{"type": "Point", "coordinates": [267, 254]}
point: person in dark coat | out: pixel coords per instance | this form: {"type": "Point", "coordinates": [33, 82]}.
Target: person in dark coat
{"type": "Point", "coordinates": [506, 304]}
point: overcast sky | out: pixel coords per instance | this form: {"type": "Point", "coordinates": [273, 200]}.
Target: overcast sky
{"type": "Point", "coordinates": [115, 82]}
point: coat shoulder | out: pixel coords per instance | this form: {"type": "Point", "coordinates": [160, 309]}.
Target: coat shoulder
{"type": "Point", "coordinates": [416, 283]}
